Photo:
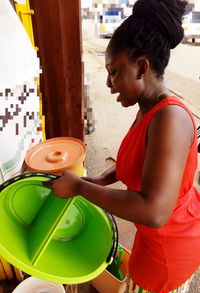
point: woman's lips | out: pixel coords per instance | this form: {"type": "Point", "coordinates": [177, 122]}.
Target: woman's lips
{"type": "Point", "coordinates": [119, 95]}
{"type": "Point", "coordinates": [113, 91]}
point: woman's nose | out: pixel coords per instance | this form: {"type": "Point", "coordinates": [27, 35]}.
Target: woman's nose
{"type": "Point", "coordinates": [108, 82]}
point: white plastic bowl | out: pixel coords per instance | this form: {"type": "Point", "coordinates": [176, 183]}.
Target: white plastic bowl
{"type": "Point", "coordinates": [35, 285]}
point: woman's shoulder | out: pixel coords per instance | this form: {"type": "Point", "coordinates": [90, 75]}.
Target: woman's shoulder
{"type": "Point", "coordinates": [173, 118]}
{"type": "Point", "coordinates": [172, 108]}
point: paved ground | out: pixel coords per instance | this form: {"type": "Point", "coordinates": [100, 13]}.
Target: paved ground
{"type": "Point", "coordinates": [112, 121]}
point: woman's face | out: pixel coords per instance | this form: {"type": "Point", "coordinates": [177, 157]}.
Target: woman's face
{"type": "Point", "coordinates": [123, 78]}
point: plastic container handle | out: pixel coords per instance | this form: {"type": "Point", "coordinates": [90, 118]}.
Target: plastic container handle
{"type": "Point", "coordinates": [27, 175]}
{"type": "Point", "coordinates": [114, 247]}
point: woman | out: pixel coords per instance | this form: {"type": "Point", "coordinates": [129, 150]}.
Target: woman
{"type": "Point", "coordinates": [156, 160]}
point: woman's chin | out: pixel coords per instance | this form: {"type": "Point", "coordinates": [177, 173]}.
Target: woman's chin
{"type": "Point", "coordinates": [123, 103]}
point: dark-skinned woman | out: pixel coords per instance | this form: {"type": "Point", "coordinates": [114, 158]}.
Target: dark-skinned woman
{"type": "Point", "coordinates": [157, 160]}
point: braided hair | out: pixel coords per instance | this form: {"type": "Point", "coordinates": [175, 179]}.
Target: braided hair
{"type": "Point", "coordinates": [154, 28]}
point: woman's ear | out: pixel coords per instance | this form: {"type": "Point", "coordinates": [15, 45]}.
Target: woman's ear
{"type": "Point", "coordinates": [142, 64]}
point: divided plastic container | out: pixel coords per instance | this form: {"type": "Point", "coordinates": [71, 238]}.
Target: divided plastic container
{"type": "Point", "coordinates": [67, 241]}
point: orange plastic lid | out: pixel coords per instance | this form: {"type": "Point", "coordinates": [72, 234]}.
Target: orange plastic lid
{"type": "Point", "coordinates": [56, 154]}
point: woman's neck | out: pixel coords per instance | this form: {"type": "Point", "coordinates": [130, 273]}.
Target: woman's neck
{"type": "Point", "coordinates": [149, 99]}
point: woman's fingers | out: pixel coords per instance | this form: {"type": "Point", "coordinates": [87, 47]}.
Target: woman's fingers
{"type": "Point", "coordinates": [65, 186]}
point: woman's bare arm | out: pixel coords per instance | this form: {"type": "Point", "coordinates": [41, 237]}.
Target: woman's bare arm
{"type": "Point", "coordinates": [167, 151]}
{"type": "Point", "coordinates": [106, 178]}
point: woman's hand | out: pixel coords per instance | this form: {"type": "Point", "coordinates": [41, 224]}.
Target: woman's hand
{"type": "Point", "coordinates": [66, 186]}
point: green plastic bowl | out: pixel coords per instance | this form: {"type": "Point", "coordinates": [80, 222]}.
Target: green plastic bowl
{"type": "Point", "coordinates": [66, 241]}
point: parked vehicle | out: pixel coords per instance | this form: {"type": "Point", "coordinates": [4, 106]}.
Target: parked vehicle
{"type": "Point", "coordinates": [191, 26]}
{"type": "Point", "coordinates": [108, 22]}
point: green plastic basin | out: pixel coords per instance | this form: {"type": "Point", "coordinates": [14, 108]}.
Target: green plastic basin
{"type": "Point", "coordinates": [66, 241]}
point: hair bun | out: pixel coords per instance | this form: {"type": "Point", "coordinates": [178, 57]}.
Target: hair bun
{"type": "Point", "coordinates": [165, 16]}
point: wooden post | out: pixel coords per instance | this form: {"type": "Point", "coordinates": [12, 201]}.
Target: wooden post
{"type": "Point", "coordinates": [57, 33]}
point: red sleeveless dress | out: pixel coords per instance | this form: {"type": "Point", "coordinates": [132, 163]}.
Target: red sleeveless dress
{"type": "Point", "coordinates": [162, 259]}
